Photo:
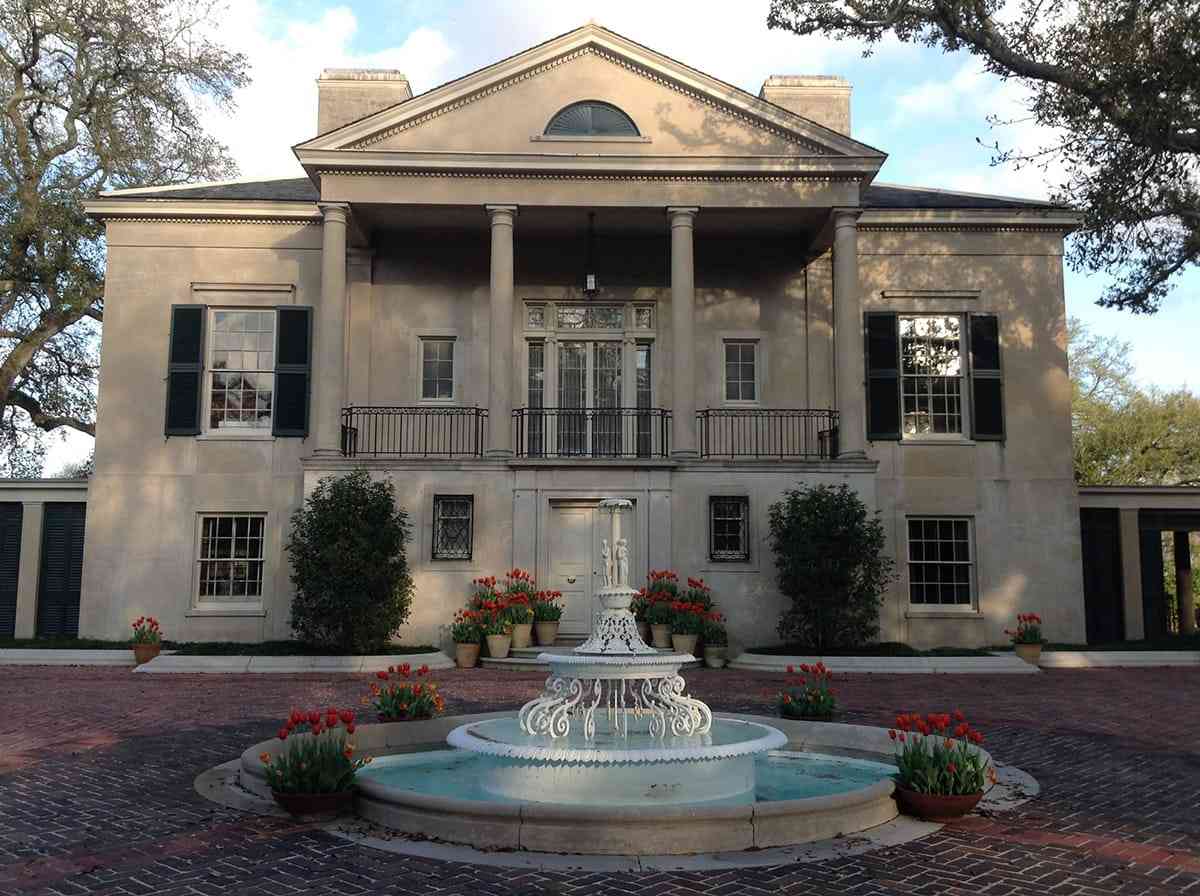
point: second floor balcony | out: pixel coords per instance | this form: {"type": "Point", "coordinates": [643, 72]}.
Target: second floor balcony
{"type": "Point", "coordinates": [590, 433]}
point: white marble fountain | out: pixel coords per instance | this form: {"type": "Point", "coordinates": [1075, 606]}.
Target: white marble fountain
{"type": "Point", "coordinates": [613, 725]}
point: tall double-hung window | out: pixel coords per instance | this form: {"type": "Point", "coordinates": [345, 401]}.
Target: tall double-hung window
{"type": "Point", "coordinates": [241, 370]}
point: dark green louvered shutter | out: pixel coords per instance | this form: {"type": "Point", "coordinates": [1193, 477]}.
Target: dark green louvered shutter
{"type": "Point", "coordinates": [61, 578]}
{"type": "Point", "coordinates": [883, 375]}
{"type": "Point", "coordinates": [11, 514]}
{"type": "Point", "coordinates": [293, 371]}
{"type": "Point", "coordinates": [185, 370]}
{"type": "Point", "coordinates": [987, 384]}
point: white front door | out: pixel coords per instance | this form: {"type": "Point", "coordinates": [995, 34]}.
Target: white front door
{"type": "Point", "coordinates": [570, 555]}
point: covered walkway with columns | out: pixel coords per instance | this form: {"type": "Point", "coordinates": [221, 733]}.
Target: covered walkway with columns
{"type": "Point", "coordinates": [1125, 530]}
{"type": "Point", "coordinates": [810, 238]}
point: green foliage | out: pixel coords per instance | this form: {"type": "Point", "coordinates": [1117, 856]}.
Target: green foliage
{"type": "Point", "coordinates": [94, 95]}
{"type": "Point", "coordinates": [1113, 85]}
{"type": "Point", "coordinates": [808, 694]}
{"type": "Point", "coordinates": [714, 634]}
{"type": "Point", "coordinates": [353, 588]}
{"type": "Point", "coordinates": [832, 564]}
{"type": "Point", "coordinates": [938, 755]}
{"type": "Point", "coordinates": [1125, 434]}
{"type": "Point", "coordinates": [318, 757]}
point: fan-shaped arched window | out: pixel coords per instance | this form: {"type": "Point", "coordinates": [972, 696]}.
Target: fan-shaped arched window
{"type": "Point", "coordinates": [591, 118]}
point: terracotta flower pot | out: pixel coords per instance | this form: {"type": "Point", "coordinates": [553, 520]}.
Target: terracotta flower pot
{"type": "Point", "coordinates": [466, 655]}
{"type": "Point", "coordinates": [684, 643]}
{"type": "Point", "coordinates": [322, 804]}
{"type": "Point", "coordinates": [935, 808]}
{"type": "Point", "coordinates": [498, 645]}
{"type": "Point", "coordinates": [714, 656]}
{"type": "Point", "coordinates": [547, 632]}
{"type": "Point", "coordinates": [522, 634]}
{"type": "Point", "coordinates": [661, 635]}
{"type": "Point", "coordinates": [644, 630]}
{"type": "Point", "coordinates": [1030, 653]}
{"type": "Point", "coordinates": [144, 653]}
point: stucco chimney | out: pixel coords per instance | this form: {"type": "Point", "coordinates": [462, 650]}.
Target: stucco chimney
{"type": "Point", "coordinates": [824, 99]}
{"type": "Point", "coordinates": [348, 94]}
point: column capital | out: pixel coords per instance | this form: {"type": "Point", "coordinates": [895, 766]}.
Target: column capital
{"type": "Point", "coordinates": [501, 214]}
{"type": "Point", "coordinates": [334, 211]}
{"type": "Point", "coordinates": [682, 215]}
{"type": "Point", "coordinates": [846, 217]}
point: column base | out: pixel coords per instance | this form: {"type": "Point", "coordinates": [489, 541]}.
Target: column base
{"type": "Point", "coordinates": [499, 453]}
{"type": "Point", "coordinates": [685, 454]}
{"type": "Point", "coordinates": [852, 455]}
{"type": "Point", "coordinates": [327, 452]}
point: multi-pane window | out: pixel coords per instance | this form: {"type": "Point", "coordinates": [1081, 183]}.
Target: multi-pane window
{"type": "Point", "coordinates": [537, 399]}
{"type": "Point", "coordinates": [453, 518]}
{"type": "Point", "coordinates": [241, 366]}
{"type": "Point", "coordinates": [437, 369]}
{"type": "Point", "coordinates": [740, 361]}
{"type": "Point", "coordinates": [231, 556]}
{"type": "Point", "coordinates": [931, 373]}
{"type": "Point", "coordinates": [729, 529]}
{"type": "Point", "coordinates": [941, 564]}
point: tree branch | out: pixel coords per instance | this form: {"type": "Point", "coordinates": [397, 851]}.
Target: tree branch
{"type": "Point", "coordinates": [42, 420]}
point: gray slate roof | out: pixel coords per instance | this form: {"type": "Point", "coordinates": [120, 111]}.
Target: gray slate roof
{"type": "Point", "coordinates": [301, 189]}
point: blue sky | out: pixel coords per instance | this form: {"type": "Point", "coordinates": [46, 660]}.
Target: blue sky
{"type": "Point", "coordinates": [925, 109]}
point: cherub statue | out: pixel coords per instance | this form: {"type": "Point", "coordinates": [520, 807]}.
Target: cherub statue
{"type": "Point", "coordinates": [622, 562]}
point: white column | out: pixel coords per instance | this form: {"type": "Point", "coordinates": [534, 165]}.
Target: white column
{"type": "Point", "coordinates": [500, 403]}
{"type": "Point", "coordinates": [32, 515]}
{"type": "Point", "coordinates": [848, 336]}
{"type": "Point", "coordinates": [683, 333]}
{"type": "Point", "coordinates": [329, 374]}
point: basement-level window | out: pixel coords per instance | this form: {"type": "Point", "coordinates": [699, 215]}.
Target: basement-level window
{"type": "Point", "coordinates": [729, 529]}
{"type": "Point", "coordinates": [941, 561]}
{"type": "Point", "coordinates": [591, 118]}
{"type": "Point", "coordinates": [453, 525]}
{"type": "Point", "coordinates": [230, 556]}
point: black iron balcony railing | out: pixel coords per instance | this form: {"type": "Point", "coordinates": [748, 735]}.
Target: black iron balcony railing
{"type": "Point", "coordinates": [424, 431]}
{"type": "Point", "coordinates": [592, 432]}
{"type": "Point", "coordinates": [767, 432]}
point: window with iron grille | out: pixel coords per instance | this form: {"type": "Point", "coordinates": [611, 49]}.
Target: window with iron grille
{"type": "Point", "coordinates": [230, 557]}
{"type": "Point", "coordinates": [941, 562]}
{"type": "Point", "coordinates": [729, 529]}
{"type": "Point", "coordinates": [453, 521]}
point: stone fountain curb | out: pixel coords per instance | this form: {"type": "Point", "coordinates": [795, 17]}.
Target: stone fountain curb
{"type": "Point", "coordinates": [997, 663]}
{"type": "Point", "coordinates": [621, 831]}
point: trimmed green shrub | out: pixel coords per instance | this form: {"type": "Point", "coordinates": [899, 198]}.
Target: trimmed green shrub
{"type": "Point", "coordinates": [831, 563]}
{"type": "Point", "coordinates": [353, 587]}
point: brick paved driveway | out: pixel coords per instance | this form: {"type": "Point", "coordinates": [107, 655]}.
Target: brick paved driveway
{"type": "Point", "coordinates": [96, 771]}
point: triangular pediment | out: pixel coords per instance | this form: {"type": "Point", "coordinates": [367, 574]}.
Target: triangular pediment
{"type": "Point", "coordinates": [505, 107]}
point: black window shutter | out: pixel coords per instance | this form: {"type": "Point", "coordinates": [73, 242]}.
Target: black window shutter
{"type": "Point", "coordinates": [883, 376]}
{"type": "Point", "coordinates": [293, 371]}
{"type": "Point", "coordinates": [185, 366]}
{"type": "Point", "coordinates": [987, 383]}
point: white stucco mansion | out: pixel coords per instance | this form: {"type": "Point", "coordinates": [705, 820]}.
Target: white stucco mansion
{"type": "Point", "coordinates": [584, 271]}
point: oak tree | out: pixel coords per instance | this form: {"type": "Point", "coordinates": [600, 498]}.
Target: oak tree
{"type": "Point", "coordinates": [94, 95]}
{"type": "Point", "coordinates": [1116, 85]}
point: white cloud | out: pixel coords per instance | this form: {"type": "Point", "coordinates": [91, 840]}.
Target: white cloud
{"type": "Point", "coordinates": [279, 108]}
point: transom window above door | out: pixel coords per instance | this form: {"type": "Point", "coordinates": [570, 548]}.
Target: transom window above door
{"type": "Point", "coordinates": [574, 316]}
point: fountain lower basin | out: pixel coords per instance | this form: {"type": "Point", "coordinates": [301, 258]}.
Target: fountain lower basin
{"type": "Point", "coordinates": [818, 788]}
{"type": "Point", "coordinates": [614, 769]}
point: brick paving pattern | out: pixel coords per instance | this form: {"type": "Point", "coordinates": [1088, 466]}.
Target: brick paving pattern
{"type": "Point", "coordinates": [97, 765]}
